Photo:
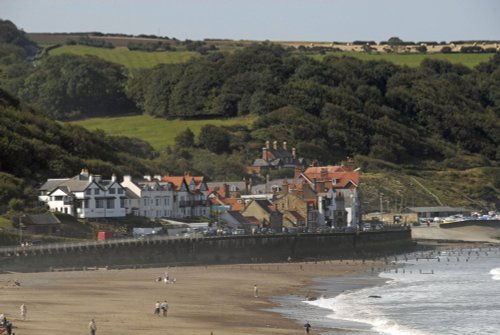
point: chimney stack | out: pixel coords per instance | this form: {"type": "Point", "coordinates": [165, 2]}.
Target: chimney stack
{"type": "Point", "coordinates": [147, 177]}
{"type": "Point", "coordinates": [294, 153]}
{"type": "Point", "coordinates": [284, 146]}
{"type": "Point", "coordinates": [267, 144]}
{"type": "Point", "coordinates": [264, 153]}
{"type": "Point", "coordinates": [285, 186]}
{"type": "Point", "coordinates": [275, 145]}
{"type": "Point", "coordinates": [113, 178]}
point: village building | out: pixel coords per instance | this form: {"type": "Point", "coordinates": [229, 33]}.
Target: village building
{"type": "Point", "coordinates": [191, 196]}
{"type": "Point", "coordinates": [295, 208]}
{"type": "Point", "coordinates": [45, 223]}
{"type": "Point", "coordinates": [234, 219]}
{"type": "Point", "coordinates": [84, 196]}
{"type": "Point", "coordinates": [149, 197]}
{"type": "Point", "coordinates": [167, 197]}
{"type": "Point", "coordinates": [265, 212]}
{"type": "Point", "coordinates": [276, 157]}
{"type": "Point", "coordinates": [335, 188]}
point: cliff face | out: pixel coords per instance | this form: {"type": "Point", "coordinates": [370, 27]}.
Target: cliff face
{"type": "Point", "coordinates": [244, 249]}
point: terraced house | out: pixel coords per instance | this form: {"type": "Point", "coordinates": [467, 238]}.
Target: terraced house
{"type": "Point", "coordinates": [89, 196]}
{"type": "Point", "coordinates": [167, 196]}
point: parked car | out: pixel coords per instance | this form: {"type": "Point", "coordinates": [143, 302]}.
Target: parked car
{"type": "Point", "coordinates": [239, 231]}
{"type": "Point", "coordinates": [367, 227]}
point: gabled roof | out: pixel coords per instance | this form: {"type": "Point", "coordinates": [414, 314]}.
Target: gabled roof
{"type": "Point", "coordinates": [265, 205]}
{"type": "Point", "coordinates": [131, 195]}
{"type": "Point", "coordinates": [78, 183]}
{"type": "Point", "coordinates": [236, 204]}
{"type": "Point", "coordinates": [176, 181]}
{"type": "Point", "coordinates": [185, 181]}
{"type": "Point", "coordinates": [332, 176]}
{"type": "Point", "coordinates": [238, 217]}
{"type": "Point", "coordinates": [52, 184]}
{"type": "Point", "coordinates": [296, 215]}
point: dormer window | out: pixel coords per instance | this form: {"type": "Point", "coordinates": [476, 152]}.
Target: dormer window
{"type": "Point", "coordinates": [96, 191]}
{"type": "Point", "coordinates": [111, 191]}
{"type": "Point", "coordinates": [88, 191]}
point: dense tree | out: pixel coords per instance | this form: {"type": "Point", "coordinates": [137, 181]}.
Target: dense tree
{"type": "Point", "coordinates": [33, 147]}
{"type": "Point", "coordinates": [185, 139]}
{"type": "Point", "coordinates": [68, 86]}
{"type": "Point", "coordinates": [215, 139]}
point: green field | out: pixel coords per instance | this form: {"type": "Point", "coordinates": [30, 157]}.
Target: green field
{"type": "Point", "coordinates": [414, 60]}
{"type": "Point", "coordinates": [130, 59]}
{"type": "Point", "coordinates": [158, 132]}
{"type": "Point", "coordinates": [133, 60]}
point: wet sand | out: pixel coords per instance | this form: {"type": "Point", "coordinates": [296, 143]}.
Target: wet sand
{"type": "Point", "coordinates": [204, 300]}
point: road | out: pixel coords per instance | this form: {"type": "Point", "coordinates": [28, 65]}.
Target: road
{"type": "Point", "coordinates": [469, 233]}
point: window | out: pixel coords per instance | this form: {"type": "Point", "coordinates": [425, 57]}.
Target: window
{"type": "Point", "coordinates": [96, 191]}
{"type": "Point", "coordinates": [157, 202]}
{"type": "Point", "coordinates": [167, 201]}
{"type": "Point", "coordinates": [86, 203]}
{"type": "Point", "coordinates": [122, 203]}
{"type": "Point", "coordinates": [120, 190]}
{"type": "Point", "coordinates": [145, 201]}
{"type": "Point", "coordinates": [58, 198]}
{"type": "Point", "coordinates": [99, 203]}
{"type": "Point", "coordinates": [88, 191]}
{"type": "Point", "coordinates": [110, 203]}
{"type": "Point", "coordinates": [111, 191]}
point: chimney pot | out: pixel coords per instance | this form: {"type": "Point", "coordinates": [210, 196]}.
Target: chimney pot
{"type": "Point", "coordinates": [284, 145]}
{"type": "Point", "coordinates": [275, 145]}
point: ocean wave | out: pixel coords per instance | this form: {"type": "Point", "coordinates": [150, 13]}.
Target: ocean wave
{"type": "Point", "coordinates": [495, 274]}
{"type": "Point", "coordinates": [344, 309]}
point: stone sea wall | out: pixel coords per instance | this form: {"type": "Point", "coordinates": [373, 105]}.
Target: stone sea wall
{"type": "Point", "coordinates": [217, 250]}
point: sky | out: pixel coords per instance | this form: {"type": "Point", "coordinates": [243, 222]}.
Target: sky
{"type": "Point", "coordinates": [275, 20]}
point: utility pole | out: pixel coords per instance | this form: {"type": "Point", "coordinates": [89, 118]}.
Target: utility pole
{"type": "Point", "coordinates": [381, 203]}
{"type": "Point", "coordinates": [21, 229]}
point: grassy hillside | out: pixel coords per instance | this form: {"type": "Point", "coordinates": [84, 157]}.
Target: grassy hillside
{"type": "Point", "coordinates": [158, 132]}
{"type": "Point", "coordinates": [414, 60]}
{"type": "Point", "coordinates": [143, 59]}
{"type": "Point", "coordinates": [470, 188]}
{"type": "Point", "coordinates": [130, 59]}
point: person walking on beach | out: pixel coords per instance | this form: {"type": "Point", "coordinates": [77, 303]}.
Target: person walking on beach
{"type": "Point", "coordinates": [307, 327]}
{"type": "Point", "coordinates": [255, 291]}
{"type": "Point", "coordinates": [92, 327]}
{"type": "Point", "coordinates": [164, 308]}
{"type": "Point", "coordinates": [157, 308]}
{"type": "Point", "coordinates": [23, 311]}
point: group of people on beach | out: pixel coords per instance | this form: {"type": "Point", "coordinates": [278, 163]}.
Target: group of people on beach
{"type": "Point", "coordinates": [166, 278]}
{"type": "Point", "coordinates": [161, 308]}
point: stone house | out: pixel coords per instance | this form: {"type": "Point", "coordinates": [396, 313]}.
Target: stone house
{"type": "Point", "coordinates": [265, 212]}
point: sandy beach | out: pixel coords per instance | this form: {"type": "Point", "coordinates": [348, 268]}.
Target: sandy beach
{"type": "Point", "coordinates": [204, 300]}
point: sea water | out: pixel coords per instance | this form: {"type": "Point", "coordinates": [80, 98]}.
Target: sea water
{"type": "Point", "coordinates": [439, 293]}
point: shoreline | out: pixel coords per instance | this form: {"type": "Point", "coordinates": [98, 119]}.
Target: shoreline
{"type": "Point", "coordinates": [217, 299]}
{"type": "Point", "coordinates": [212, 299]}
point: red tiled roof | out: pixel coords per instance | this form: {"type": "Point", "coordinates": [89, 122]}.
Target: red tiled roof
{"type": "Point", "coordinates": [342, 174]}
{"type": "Point", "coordinates": [177, 181]}
{"type": "Point", "coordinates": [174, 180]}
